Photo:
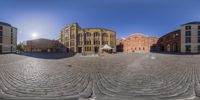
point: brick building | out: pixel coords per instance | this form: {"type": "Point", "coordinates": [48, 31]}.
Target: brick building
{"type": "Point", "coordinates": [184, 40]}
{"type": "Point", "coordinates": [137, 43]}
{"type": "Point", "coordinates": [171, 42]}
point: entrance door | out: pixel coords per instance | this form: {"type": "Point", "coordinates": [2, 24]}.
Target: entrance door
{"type": "Point", "coordinates": [79, 49]}
{"type": "Point", "coordinates": [96, 49]}
{"type": "Point", "coordinates": [0, 48]}
{"type": "Point", "coordinates": [175, 47]}
{"type": "Point", "coordinates": [188, 48]}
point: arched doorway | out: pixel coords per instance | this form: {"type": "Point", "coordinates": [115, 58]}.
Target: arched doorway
{"type": "Point", "coordinates": [168, 48]}
{"type": "Point", "coordinates": [175, 47]}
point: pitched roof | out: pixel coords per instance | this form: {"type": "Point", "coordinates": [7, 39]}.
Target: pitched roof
{"type": "Point", "coordinates": [196, 22]}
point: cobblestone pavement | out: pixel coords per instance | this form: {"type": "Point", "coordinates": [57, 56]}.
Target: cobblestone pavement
{"type": "Point", "coordinates": [112, 77]}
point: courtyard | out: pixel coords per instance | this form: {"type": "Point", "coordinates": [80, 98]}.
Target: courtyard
{"type": "Point", "coordinates": [122, 76]}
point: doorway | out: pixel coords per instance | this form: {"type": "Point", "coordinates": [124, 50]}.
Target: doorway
{"type": "Point", "coordinates": [96, 49]}
{"type": "Point", "coordinates": [0, 48]}
{"type": "Point", "coordinates": [79, 49]}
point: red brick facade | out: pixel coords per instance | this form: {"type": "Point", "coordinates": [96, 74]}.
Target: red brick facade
{"type": "Point", "coordinates": [170, 42]}
{"type": "Point", "coordinates": [137, 43]}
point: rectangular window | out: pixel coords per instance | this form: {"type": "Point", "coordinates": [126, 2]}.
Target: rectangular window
{"type": "Point", "coordinates": [187, 27]}
{"type": "Point", "coordinates": [199, 27]}
{"type": "Point", "coordinates": [188, 48]}
{"type": "Point", "coordinates": [198, 39]}
{"type": "Point", "coordinates": [187, 39]}
{"type": "Point", "coordinates": [187, 33]}
{"type": "Point", "coordinates": [1, 27]}
{"type": "Point", "coordinates": [0, 48]}
{"type": "Point", "coordinates": [198, 33]}
{"type": "Point", "coordinates": [1, 39]}
{"type": "Point", "coordinates": [198, 48]}
{"type": "Point", "coordinates": [1, 33]}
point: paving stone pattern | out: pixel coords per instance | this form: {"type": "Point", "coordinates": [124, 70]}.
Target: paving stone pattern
{"type": "Point", "coordinates": [112, 77]}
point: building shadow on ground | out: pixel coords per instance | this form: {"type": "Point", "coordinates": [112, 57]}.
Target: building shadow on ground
{"type": "Point", "coordinates": [48, 55]}
{"type": "Point", "coordinates": [175, 53]}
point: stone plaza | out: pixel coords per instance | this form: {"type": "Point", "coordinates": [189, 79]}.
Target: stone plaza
{"type": "Point", "coordinates": [122, 76]}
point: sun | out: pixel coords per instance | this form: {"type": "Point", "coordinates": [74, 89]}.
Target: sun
{"type": "Point", "coordinates": [34, 35]}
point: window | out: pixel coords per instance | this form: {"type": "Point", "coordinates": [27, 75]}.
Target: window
{"type": "Point", "coordinates": [199, 27]}
{"type": "Point", "coordinates": [105, 42]}
{"type": "Point", "coordinates": [174, 36]}
{"type": "Point", "coordinates": [188, 48]}
{"type": "Point", "coordinates": [187, 27]}
{"type": "Point", "coordinates": [88, 42]}
{"type": "Point", "coordinates": [96, 34]}
{"type": "Point", "coordinates": [88, 34]}
{"type": "Point", "coordinates": [198, 36]}
{"type": "Point", "coordinates": [187, 39]}
{"type": "Point", "coordinates": [198, 33]}
{"type": "Point", "coordinates": [198, 48]}
{"type": "Point", "coordinates": [1, 40]}
{"type": "Point", "coordinates": [87, 48]}
{"type": "Point", "coordinates": [0, 48]}
{"type": "Point", "coordinates": [188, 33]}
{"type": "Point", "coordinates": [198, 39]}
{"type": "Point", "coordinates": [1, 33]}
{"type": "Point", "coordinates": [1, 27]}
{"type": "Point", "coordinates": [97, 42]}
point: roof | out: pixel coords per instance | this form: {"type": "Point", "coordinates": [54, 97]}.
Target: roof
{"type": "Point", "coordinates": [3, 23]}
{"type": "Point", "coordinates": [136, 34]}
{"type": "Point", "coordinates": [98, 28]}
{"type": "Point", "coordinates": [196, 22]}
{"type": "Point", "coordinates": [39, 39]}
{"type": "Point", "coordinates": [176, 31]}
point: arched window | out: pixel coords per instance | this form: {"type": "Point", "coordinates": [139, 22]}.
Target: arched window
{"type": "Point", "coordinates": [87, 34]}
{"type": "Point", "coordinates": [104, 35]}
{"type": "Point", "coordinates": [96, 34]}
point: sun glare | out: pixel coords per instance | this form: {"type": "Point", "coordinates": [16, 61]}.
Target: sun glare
{"type": "Point", "coordinates": [34, 35]}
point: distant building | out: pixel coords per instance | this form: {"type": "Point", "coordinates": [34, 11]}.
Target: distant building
{"type": "Point", "coordinates": [87, 40]}
{"type": "Point", "coordinates": [42, 45]}
{"type": "Point", "coordinates": [8, 38]}
{"type": "Point", "coordinates": [190, 37]}
{"type": "Point", "coordinates": [120, 44]}
{"type": "Point", "coordinates": [184, 40]}
{"type": "Point", "coordinates": [171, 42]}
{"type": "Point", "coordinates": [137, 43]}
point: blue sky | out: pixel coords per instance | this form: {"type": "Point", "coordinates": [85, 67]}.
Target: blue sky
{"type": "Point", "coordinates": [48, 17]}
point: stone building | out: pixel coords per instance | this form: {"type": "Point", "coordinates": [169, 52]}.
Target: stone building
{"type": "Point", "coordinates": [190, 37]}
{"type": "Point", "coordinates": [87, 40]}
{"type": "Point", "coordinates": [171, 42]}
{"type": "Point", "coordinates": [41, 45]}
{"type": "Point", "coordinates": [8, 38]}
{"type": "Point", "coordinates": [137, 43]}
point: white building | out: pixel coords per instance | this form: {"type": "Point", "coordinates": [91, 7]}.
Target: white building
{"type": "Point", "coordinates": [8, 38]}
{"type": "Point", "coordinates": [190, 37]}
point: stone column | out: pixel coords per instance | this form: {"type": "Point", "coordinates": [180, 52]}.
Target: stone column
{"type": "Point", "coordinates": [92, 42]}
{"type": "Point", "coordinates": [109, 39]}
{"type": "Point", "coordinates": [83, 42]}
